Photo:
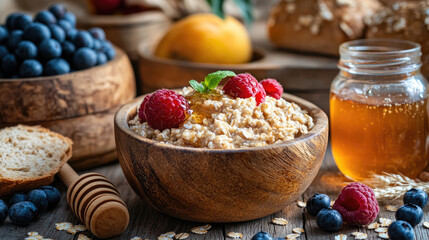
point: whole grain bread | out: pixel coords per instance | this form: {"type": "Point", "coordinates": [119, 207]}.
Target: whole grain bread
{"type": "Point", "coordinates": [30, 156]}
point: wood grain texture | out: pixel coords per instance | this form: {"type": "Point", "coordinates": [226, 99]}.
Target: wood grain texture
{"type": "Point", "coordinates": [70, 95]}
{"type": "Point", "coordinates": [220, 185]}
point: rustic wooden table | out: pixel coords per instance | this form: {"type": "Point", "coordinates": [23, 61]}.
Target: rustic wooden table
{"type": "Point", "coordinates": [147, 223]}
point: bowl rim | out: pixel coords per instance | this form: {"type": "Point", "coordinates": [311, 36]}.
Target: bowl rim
{"type": "Point", "coordinates": [320, 124]}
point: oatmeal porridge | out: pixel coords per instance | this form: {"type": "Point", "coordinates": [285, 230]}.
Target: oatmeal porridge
{"type": "Point", "coordinates": [219, 121]}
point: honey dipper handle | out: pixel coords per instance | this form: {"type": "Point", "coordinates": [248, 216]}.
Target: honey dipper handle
{"type": "Point", "coordinates": [67, 174]}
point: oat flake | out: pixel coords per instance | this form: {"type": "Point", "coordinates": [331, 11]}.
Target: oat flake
{"type": "Point", "coordinates": [279, 221]}
{"type": "Point", "coordinates": [198, 230]}
{"type": "Point", "coordinates": [426, 224]}
{"type": "Point", "coordinates": [83, 237]}
{"type": "Point", "coordinates": [136, 238]}
{"type": "Point", "coordinates": [302, 204]}
{"type": "Point", "coordinates": [381, 230]}
{"type": "Point", "coordinates": [63, 226]}
{"type": "Point", "coordinates": [206, 227]}
{"type": "Point", "coordinates": [373, 225]}
{"type": "Point", "coordinates": [80, 228]}
{"type": "Point", "coordinates": [298, 230]}
{"type": "Point", "coordinates": [385, 222]}
{"type": "Point", "coordinates": [31, 234]}
{"type": "Point", "coordinates": [292, 236]}
{"type": "Point", "coordinates": [361, 236]}
{"type": "Point", "coordinates": [332, 203]}
{"type": "Point", "coordinates": [391, 208]}
{"type": "Point", "coordinates": [355, 233]}
{"type": "Point", "coordinates": [235, 235]}
{"type": "Point", "coordinates": [169, 234]}
{"type": "Point", "coordinates": [341, 237]}
{"type": "Point", "coordinates": [383, 235]}
{"type": "Point", "coordinates": [181, 236]}
{"type": "Point", "coordinates": [162, 237]}
{"type": "Point", "coordinates": [72, 230]}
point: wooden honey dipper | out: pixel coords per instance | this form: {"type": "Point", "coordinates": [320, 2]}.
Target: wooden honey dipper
{"type": "Point", "coordinates": [96, 202]}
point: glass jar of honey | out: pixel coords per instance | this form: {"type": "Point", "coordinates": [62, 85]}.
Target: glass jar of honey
{"type": "Point", "coordinates": [378, 109]}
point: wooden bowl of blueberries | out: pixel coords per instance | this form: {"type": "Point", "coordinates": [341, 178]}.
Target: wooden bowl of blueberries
{"type": "Point", "coordinates": [186, 167]}
{"type": "Point", "coordinates": [71, 81]}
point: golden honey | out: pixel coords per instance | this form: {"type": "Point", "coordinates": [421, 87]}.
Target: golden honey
{"type": "Point", "coordinates": [369, 138]}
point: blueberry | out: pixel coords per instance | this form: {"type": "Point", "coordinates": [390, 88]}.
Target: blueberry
{"type": "Point", "coordinates": [23, 21]}
{"type": "Point", "coordinates": [9, 64]}
{"type": "Point", "coordinates": [16, 198]}
{"type": "Point", "coordinates": [49, 48]}
{"type": "Point", "coordinates": [101, 58]}
{"type": "Point", "coordinates": [39, 198]}
{"type": "Point", "coordinates": [262, 236]}
{"type": "Point", "coordinates": [22, 213]}
{"type": "Point", "coordinates": [97, 45]}
{"type": "Point", "coordinates": [410, 213]}
{"type": "Point", "coordinates": [83, 39]}
{"type": "Point", "coordinates": [68, 50]}
{"type": "Point", "coordinates": [14, 39]}
{"type": "Point", "coordinates": [317, 202]}
{"type": "Point", "coordinates": [26, 50]}
{"type": "Point", "coordinates": [84, 58]}
{"type": "Point", "coordinates": [4, 34]}
{"type": "Point", "coordinates": [97, 33]}
{"type": "Point", "coordinates": [53, 194]}
{"type": "Point", "coordinates": [400, 230]}
{"type": "Point", "coordinates": [58, 10]}
{"type": "Point", "coordinates": [11, 19]}
{"type": "Point", "coordinates": [57, 33]}
{"type": "Point", "coordinates": [71, 18]}
{"type": "Point", "coordinates": [71, 35]}
{"type": "Point", "coordinates": [416, 196]}
{"type": "Point", "coordinates": [108, 49]}
{"type": "Point", "coordinates": [65, 25]}
{"type": "Point", "coordinates": [56, 66]}
{"type": "Point", "coordinates": [30, 68]}
{"type": "Point", "coordinates": [3, 52]}
{"type": "Point", "coordinates": [3, 211]}
{"type": "Point", "coordinates": [329, 220]}
{"type": "Point", "coordinates": [45, 17]}
{"type": "Point", "coordinates": [36, 33]}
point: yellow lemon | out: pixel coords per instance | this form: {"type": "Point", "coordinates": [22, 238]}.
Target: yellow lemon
{"type": "Point", "coordinates": [206, 38]}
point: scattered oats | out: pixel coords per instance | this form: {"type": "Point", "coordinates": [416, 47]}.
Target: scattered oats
{"type": "Point", "coordinates": [169, 234]}
{"type": "Point", "coordinates": [332, 203]}
{"type": "Point", "coordinates": [381, 230]}
{"type": "Point", "coordinates": [36, 237]}
{"type": "Point", "coordinates": [373, 225]}
{"type": "Point", "coordinates": [298, 230]}
{"type": "Point", "coordinates": [206, 227]}
{"type": "Point", "coordinates": [31, 234]}
{"type": "Point", "coordinates": [383, 235]}
{"type": "Point", "coordinates": [341, 237]}
{"type": "Point", "coordinates": [235, 235]}
{"type": "Point", "coordinates": [83, 237]}
{"type": "Point", "coordinates": [164, 238]}
{"type": "Point", "coordinates": [80, 228]}
{"type": "Point", "coordinates": [385, 222]}
{"type": "Point", "coordinates": [392, 208]}
{"type": "Point", "coordinates": [355, 233]}
{"type": "Point", "coordinates": [292, 236]}
{"type": "Point", "coordinates": [361, 236]}
{"type": "Point", "coordinates": [426, 224]}
{"type": "Point", "coordinates": [324, 11]}
{"type": "Point", "coordinates": [181, 236]}
{"type": "Point", "coordinates": [279, 221]}
{"type": "Point", "coordinates": [72, 230]}
{"type": "Point", "coordinates": [63, 226]}
{"type": "Point", "coordinates": [198, 230]}
{"type": "Point", "coordinates": [136, 238]}
{"type": "Point", "coordinates": [302, 204]}
{"type": "Point", "coordinates": [346, 29]}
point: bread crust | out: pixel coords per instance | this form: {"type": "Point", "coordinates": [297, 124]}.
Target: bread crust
{"type": "Point", "coordinates": [9, 186]}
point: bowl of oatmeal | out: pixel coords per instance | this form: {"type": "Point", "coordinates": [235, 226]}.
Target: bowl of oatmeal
{"type": "Point", "coordinates": [230, 159]}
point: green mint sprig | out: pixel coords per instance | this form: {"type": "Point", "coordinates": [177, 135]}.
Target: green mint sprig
{"type": "Point", "coordinates": [210, 81]}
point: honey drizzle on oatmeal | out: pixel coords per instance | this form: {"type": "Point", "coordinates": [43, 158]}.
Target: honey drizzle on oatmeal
{"type": "Point", "coordinates": [196, 101]}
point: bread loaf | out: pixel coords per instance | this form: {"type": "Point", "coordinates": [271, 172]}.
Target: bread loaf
{"type": "Point", "coordinates": [407, 20]}
{"type": "Point", "coordinates": [30, 157]}
{"type": "Point", "coordinates": [319, 25]}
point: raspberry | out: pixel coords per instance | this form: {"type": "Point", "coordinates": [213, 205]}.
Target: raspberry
{"type": "Point", "coordinates": [245, 86]}
{"type": "Point", "coordinates": [357, 204]}
{"type": "Point", "coordinates": [166, 109]}
{"type": "Point", "coordinates": [142, 116]}
{"type": "Point", "coordinates": [272, 88]}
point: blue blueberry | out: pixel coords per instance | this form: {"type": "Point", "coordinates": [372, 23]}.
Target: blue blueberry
{"type": "Point", "coordinates": [101, 58]}
{"type": "Point", "coordinates": [39, 198]}
{"type": "Point", "coordinates": [400, 230]}
{"type": "Point", "coordinates": [57, 33]}
{"type": "Point", "coordinates": [22, 213]}
{"type": "Point", "coordinates": [97, 33]}
{"type": "Point", "coordinates": [56, 66]}
{"type": "Point", "coordinates": [83, 39]}
{"type": "Point", "coordinates": [26, 50]}
{"type": "Point", "coordinates": [54, 195]}
{"type": "Point", "coordinates": [4, 34]}
{"type": "Point", "coordinates": [58, 10]}
{"type": "Point", "coordinates": [45, 17]}
{"type": "Point", "coordinates": [18, 197]}
{"type": "Point", "coordinates": [410, 213]}
{"type": "Point", "coordinates": [97, 45]}
{"type": "Point", "coordinates": [30, 68]}
{"type": "Point", "coordinates": [3, 52]}
{"type": "Point", "coordinates": [68, 50]}
{"type": "Point", "coordinates": [10, 20]}
{"type": "Point", "coordinates": [65, 25]}
{"type": "Point", "coordinates": [49, 48]}
{"type": "Point", "coordinates": [416, 196]}
{"type": "Point", "coordinates": [36, 33]}
{"type": "Point", "coordinates": [329, 220]}
{"type": "Point", "coordinates": [71, 35]}
{"type": "Point", "coordinates": [9, 64]}
{"type": "Point", "coordinates": [262, 236]}
{"type": "Point", "coordinates": [108, 49]}
{"type": "Point", "coordinates": [71, 18]}
{"type": "Point", "coordinates": [84, 58]}
{"type": "Point", "coordinates": [317, 202]}
{"type": "Point", "coordinates": [23, 21]}
{"type": "Point", "coordinates": [3, 211]}
{"type": "Point", "coordinates": [14, 39]}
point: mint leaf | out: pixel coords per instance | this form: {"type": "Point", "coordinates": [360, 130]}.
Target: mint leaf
{"type": "Point", "coordinates": [246, 10]}
{"type": "Point", "coordinates": [217, 7]}
{"type": "Point", "coordinates": [197, 86]}
{"type": "Point", "coordinates": [213, 79]}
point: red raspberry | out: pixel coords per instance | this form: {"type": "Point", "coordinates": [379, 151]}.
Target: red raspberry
{"type": "Point", "coordinates": [357, 204]}
{"type": "Point", "coordinates": [166, 109]}
{"type": "Point", "coordinates": [260, 95]}
{"type": "Point", "coordinates": [244, 86]}
{"type": "Point", "coordinates": [273, 88]}
{"type": "Point", "coordinates": [142, 116]}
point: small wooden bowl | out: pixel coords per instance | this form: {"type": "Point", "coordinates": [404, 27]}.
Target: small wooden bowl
{"type": "Point", "coordinates": [213, 185]}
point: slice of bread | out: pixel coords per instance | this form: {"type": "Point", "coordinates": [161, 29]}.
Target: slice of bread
{"type": "Point", "coordinates": [30, 157]}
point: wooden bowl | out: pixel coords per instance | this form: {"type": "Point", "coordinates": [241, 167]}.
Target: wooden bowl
{"type": "Point", "coordinates": [213, 185]}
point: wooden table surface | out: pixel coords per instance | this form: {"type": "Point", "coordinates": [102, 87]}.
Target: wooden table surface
{"type": "Point", "coordinates": [147, 223]}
